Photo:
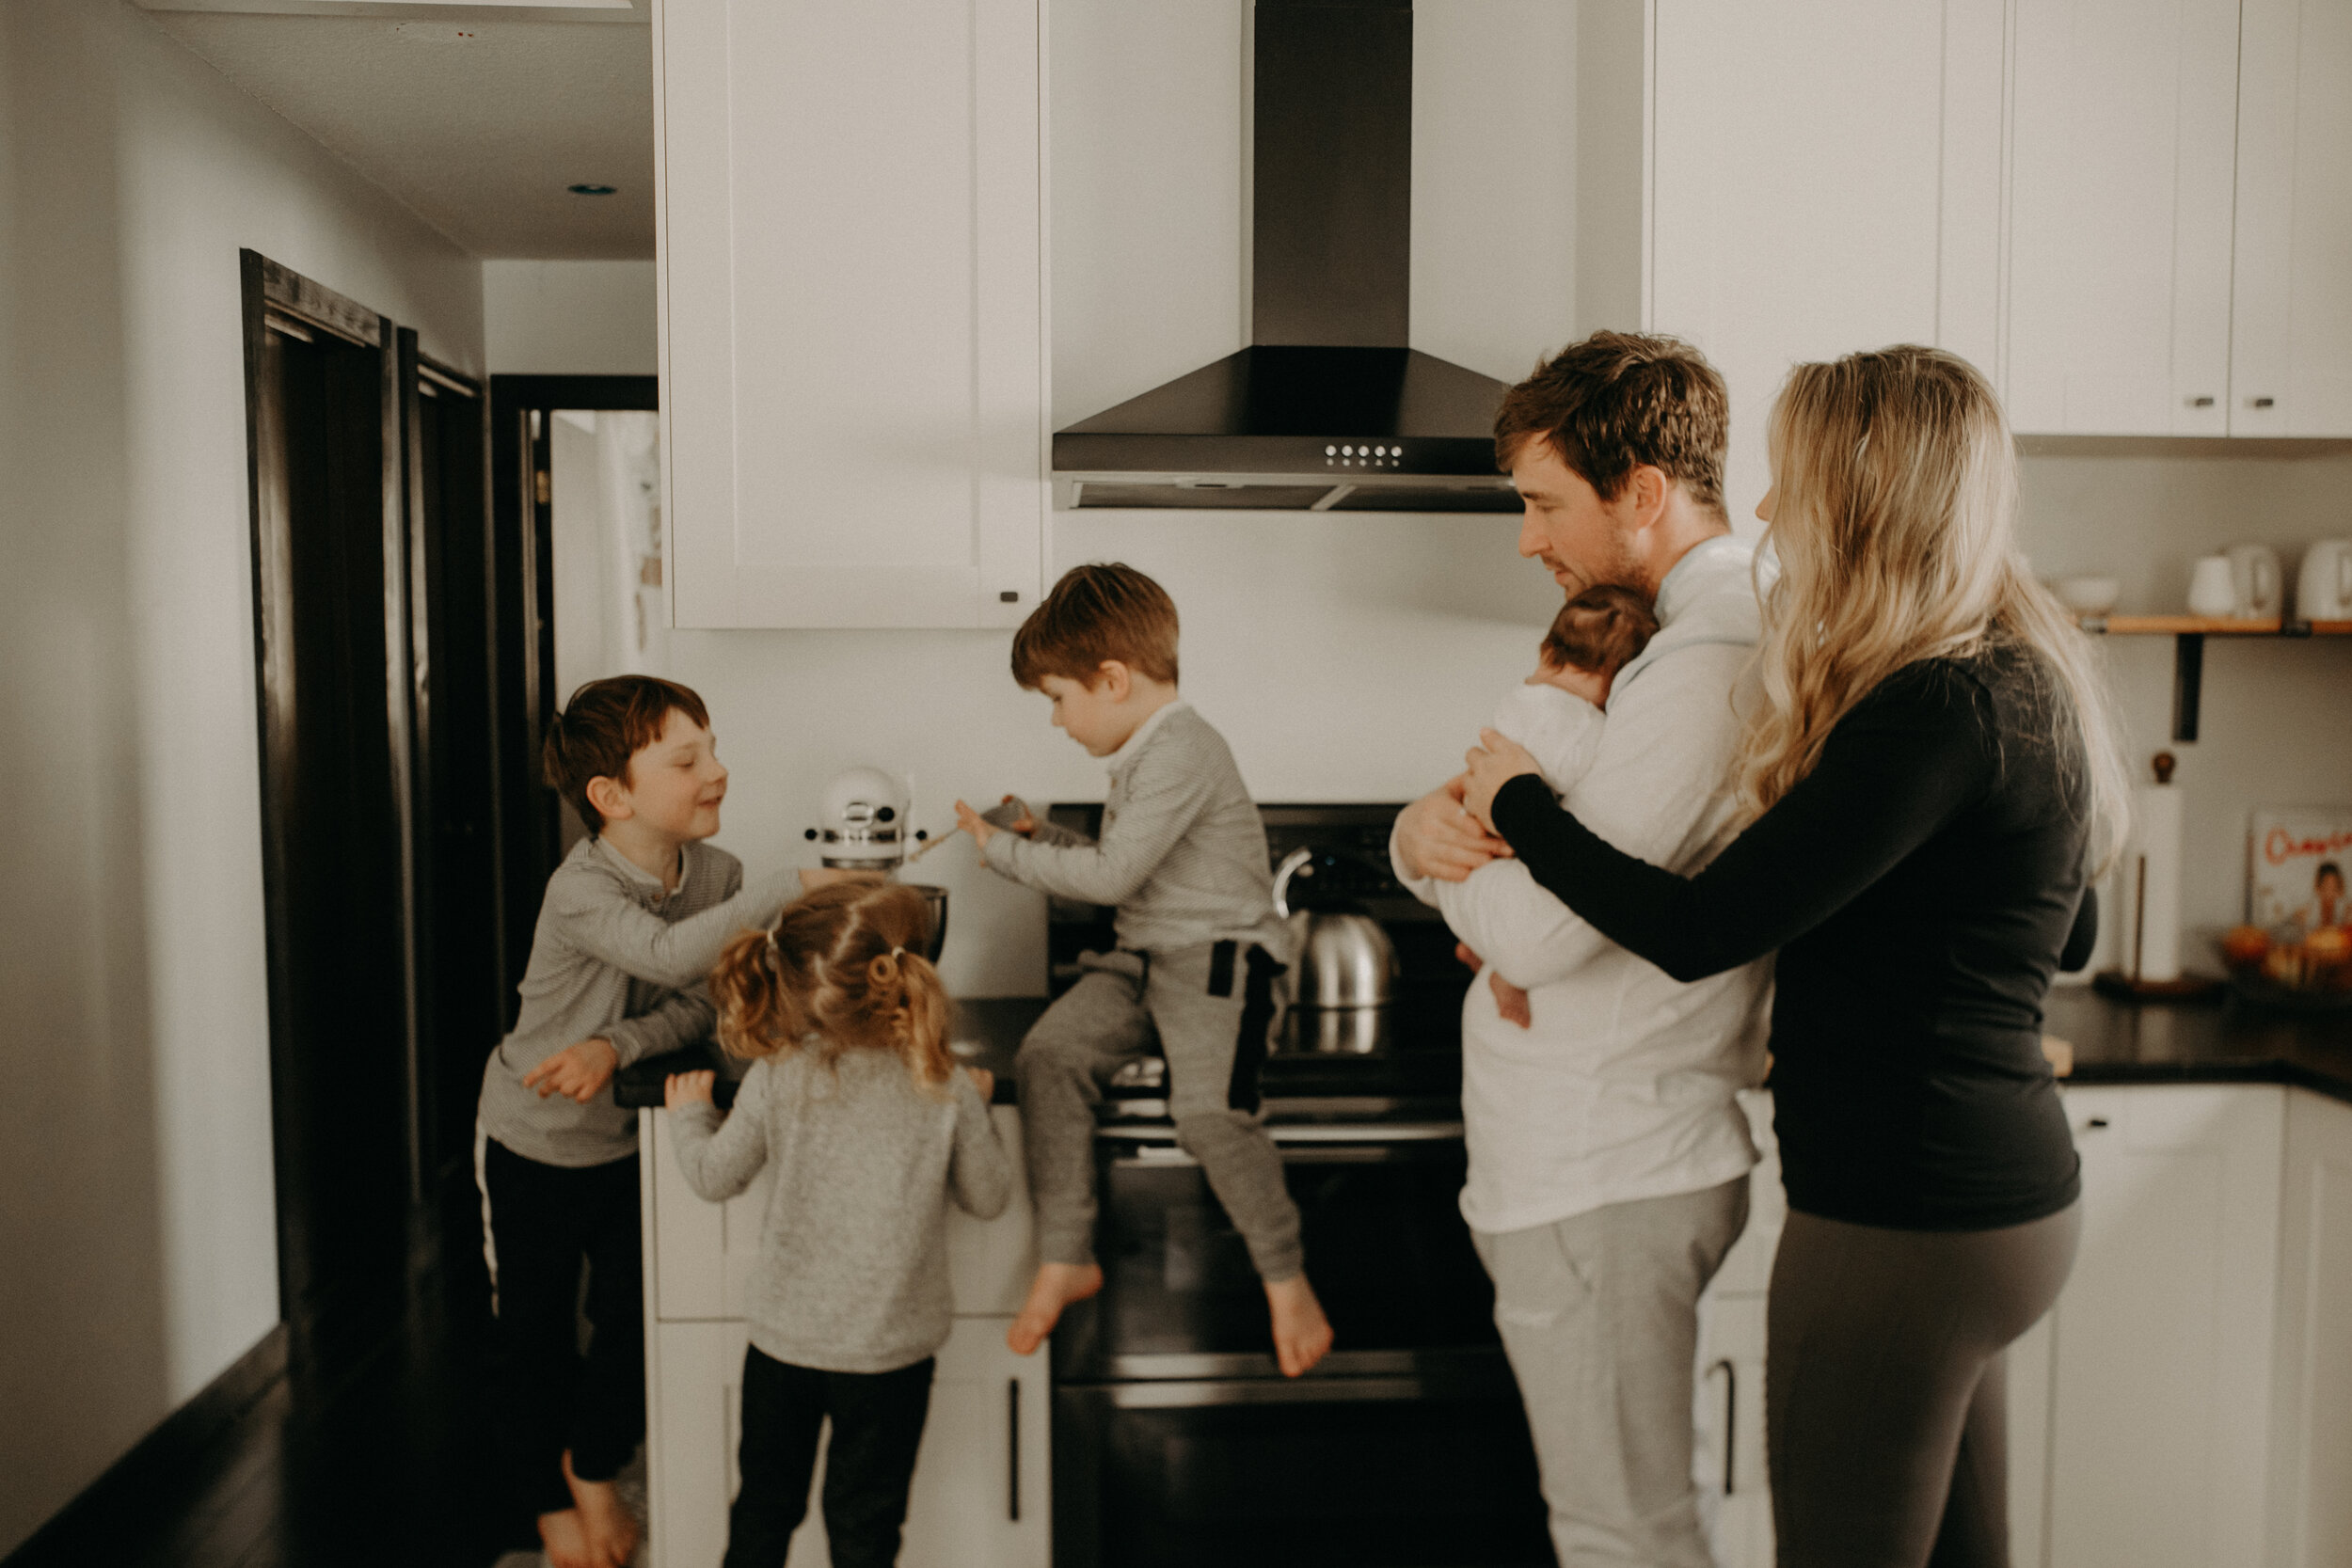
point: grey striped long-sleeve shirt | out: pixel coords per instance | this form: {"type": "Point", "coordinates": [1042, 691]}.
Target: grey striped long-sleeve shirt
{"type": "Point", "coordinates": [1182, 854]}
{"type": "Point", "coordinates": [615, 957]}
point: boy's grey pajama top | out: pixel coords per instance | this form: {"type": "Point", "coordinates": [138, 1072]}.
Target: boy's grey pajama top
{"type": "Point", "coordinates": [1183, 857]}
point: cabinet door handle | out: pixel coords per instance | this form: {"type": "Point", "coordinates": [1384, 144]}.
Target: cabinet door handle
{"type": "Point", "coordinates": [2262, 402]}
{"type": "Point", "coordinates": [2199, 402]}
{"type": "Point", "coordinates": [2094, 1124]}
{"type": "Point", "coordinates": [1012, 1449]}
{"type": "Point", "coordinates": [1731, 1416]}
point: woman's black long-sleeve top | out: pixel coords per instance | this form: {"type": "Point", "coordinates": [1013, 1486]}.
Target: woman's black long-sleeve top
{"type": "Point", "coordinates": [1920, 885]}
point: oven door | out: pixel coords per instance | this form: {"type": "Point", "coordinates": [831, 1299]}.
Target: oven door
{"type": "Point", "coordinates": [1407, 1471]}
{"type": "Point", "coordinates": [1387, 1249]}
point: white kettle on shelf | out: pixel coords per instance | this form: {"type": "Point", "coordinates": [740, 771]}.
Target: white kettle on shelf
{"type": "Point", "coordinates": [2323, 590]}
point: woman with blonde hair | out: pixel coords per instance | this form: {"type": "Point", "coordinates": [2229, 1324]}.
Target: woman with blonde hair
{"type": "Point", "coordinates": [1930, 777]}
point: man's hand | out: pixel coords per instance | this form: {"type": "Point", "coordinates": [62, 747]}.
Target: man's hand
{"type": "Point", "coordinates": [1434, 838]}
{"type": "Point", "coordinates": [687, 1088]}
{"type": "Point", "coordinates": [577, 1071]}
{"type": "Point", "coordinates": [1493, 762]}
{"type": "Point", "coordinates": [973, 823]}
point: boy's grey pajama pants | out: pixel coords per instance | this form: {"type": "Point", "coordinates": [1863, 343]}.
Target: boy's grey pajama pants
{"type": "Point", "coordinates": [1211, 1007]}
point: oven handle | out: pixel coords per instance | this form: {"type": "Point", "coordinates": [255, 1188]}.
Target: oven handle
{"type": "Point", "coordinates": [1319, 1144]}
{"type": "Point", "coordinates": [1188, 1395]}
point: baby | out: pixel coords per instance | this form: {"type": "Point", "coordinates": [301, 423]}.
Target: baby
{"type": "Point", "coordinates": [1556, 713]}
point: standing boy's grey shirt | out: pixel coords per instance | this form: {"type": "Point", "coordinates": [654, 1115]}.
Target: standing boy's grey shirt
{"type": "Point", "coordinates": [852, 1270]}
{"type": "Point", "coordinates": [1182, 854]}
{"type": "Point", "coordinates": [615, 957]}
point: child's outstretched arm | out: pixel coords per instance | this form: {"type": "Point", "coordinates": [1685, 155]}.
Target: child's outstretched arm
{"type": "Point", "coordinates": [1163, 799]}
{"type": "Point", "coordinates": [979, 1172]}
{"type": "Point", "coordinates": [602, 921]}
{"type": "Point", "coordinates": [718, 1159]}
{"type": "Point", "coordinates": [679, 1020]}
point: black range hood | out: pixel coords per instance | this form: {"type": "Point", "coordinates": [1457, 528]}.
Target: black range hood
{"type": "Point", "coordinates": [1328, 409]}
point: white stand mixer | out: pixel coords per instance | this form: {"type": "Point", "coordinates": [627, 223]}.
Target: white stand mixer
{"type": "Point", "coordinates": [867, 823]}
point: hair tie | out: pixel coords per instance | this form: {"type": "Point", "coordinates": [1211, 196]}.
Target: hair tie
{"type": "Point", "coordinates": [897, 952]}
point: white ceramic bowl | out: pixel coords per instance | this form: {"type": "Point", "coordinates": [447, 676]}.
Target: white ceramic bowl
{"type": "Point", "coordinates": [2088, 595]}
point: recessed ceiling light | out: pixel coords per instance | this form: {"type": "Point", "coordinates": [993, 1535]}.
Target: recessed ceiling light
{"type": "Point", "coordinates": [591, 190]}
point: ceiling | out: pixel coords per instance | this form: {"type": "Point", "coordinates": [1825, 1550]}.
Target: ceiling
{"type": "Point", "coordinates": [474, 117]}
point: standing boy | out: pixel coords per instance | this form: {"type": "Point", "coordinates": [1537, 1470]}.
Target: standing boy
{"type": "Point", "coordinates": [1183, 858]}
{"type": "Point", "coordinates": [632, 922]}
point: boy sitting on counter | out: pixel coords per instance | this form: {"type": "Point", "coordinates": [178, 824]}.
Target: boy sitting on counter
{"type": "Point", "coordinates": [1183, 857]}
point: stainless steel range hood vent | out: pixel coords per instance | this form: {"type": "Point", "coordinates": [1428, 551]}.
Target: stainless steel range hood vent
{"type": "Point", "coordinates": [1329, 410]}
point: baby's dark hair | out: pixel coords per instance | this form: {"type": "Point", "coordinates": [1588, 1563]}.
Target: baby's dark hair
{"type": "Point", "coordinates": [842, 969]}
{"type": "Point", "coordinates": [605, 722]}
{"type": "Point", "coordinates": [1601, 630]}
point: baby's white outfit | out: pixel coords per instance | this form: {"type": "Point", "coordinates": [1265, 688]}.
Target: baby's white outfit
{"type": "Point", "coordinates": [1560, 729]}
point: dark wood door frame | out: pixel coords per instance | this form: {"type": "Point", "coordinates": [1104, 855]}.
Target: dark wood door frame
{"type": "Point", "coordinates": [522, 521]}
{"type": "Point", "coordinates": [278, 299]}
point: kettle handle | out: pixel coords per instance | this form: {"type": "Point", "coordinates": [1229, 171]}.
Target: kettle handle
{"type": "Point", "coordinates": [1290, 867]}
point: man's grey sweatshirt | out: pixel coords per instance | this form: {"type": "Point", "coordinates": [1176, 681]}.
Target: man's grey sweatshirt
{"type": "Point", "coordinates": [852, 1269]}
{"type": "Point", "coordinates": [615, 957]}
{"type": "Point", "coordinates": [1182, 854]}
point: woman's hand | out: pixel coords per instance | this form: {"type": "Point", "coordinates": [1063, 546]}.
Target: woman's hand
{"type": "Point", "coordinates": [687, 1088]}
{"type": "Point", "coordinates": [1493, 762]}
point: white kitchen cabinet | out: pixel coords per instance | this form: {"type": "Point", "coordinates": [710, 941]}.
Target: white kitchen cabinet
{"type": "Point", "coordinates": [1825, 176]}
{"type": "Point", "coordinates": [2290, 338]}
{"type": "Point", "coordinates": [2310, 1470]}
{"type": "Point", "coordinates": [850, 238]}
{"type": "Point", "coordinates": [1727, 1419]}
{"type": "Point", "coordinates": [2124, 142]}
{"type": "Point", "coordinates": [980, 1498]}
{"type": "Point", "coordinates": [2161, 1360]}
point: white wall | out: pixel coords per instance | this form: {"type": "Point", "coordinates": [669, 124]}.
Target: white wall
{"type": "Point", "coordinates": [568, 318]}
{"type": "Point", "coordinates": [138, 1218]}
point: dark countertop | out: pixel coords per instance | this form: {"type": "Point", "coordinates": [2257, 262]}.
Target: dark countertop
{"type": "Point", "coordinates": [986, 1034]}
{"type": "Point", "coordinates": [2228, 1042]}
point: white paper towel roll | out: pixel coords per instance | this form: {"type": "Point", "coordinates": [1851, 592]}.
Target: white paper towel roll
{"type": "Point", "coordinates": [2152, 882]}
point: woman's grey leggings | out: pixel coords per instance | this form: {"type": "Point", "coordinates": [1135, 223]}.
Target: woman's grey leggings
{"type": "Point", "coordinates": [1886, 1405]}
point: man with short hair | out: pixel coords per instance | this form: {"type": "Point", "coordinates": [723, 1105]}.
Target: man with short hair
{"type": "Point", "coordinates": [1608, 1157]}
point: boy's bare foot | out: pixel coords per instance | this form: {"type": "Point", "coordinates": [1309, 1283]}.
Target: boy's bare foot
{"type": "Point", "coordinates": [1510, 1001]}
{"type": "Point", "coordinates": [1057, 1286]}
{"type": "Point", "coordinates": [564, 1537]}
{"type": "Point", "coordinates": [610, 1529]}
{"type": "Point", "coordinates": [1302, 1335]}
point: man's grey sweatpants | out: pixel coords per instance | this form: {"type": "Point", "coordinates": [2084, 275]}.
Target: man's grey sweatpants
{"type": "Point", "coordinates": [1107, 1020]}
{"type": "Point", "coordinates": [1600, 1317]}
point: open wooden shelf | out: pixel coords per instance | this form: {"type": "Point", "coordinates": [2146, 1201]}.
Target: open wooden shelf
{"type": "Point", "coordinates": [2188, 634]}
{"type": "Point", "coordinates": [2183, 626]}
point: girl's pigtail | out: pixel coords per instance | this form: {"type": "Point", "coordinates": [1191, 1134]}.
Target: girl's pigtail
{"type": "Point", "coordinates": [755, 1012]}
{"type": "Point", "coordinates": [923, 1011]}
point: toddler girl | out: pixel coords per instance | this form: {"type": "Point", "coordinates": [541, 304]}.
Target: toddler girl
{"type": "Point", "coordinates": [870, 1129]}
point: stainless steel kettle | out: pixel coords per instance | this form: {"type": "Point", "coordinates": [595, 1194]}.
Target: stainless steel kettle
{"type": "Point", "coordinates": [1347, 964]}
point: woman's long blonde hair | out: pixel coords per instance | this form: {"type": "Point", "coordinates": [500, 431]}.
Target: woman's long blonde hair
{"type": "Point", "coordinates": [1894, 518]}
{"type": "Point", "coordinates": [841, 969]}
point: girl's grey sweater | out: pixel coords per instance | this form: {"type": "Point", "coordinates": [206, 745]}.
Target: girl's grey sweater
{"type": "Point", "coordinates": [852, 1270]}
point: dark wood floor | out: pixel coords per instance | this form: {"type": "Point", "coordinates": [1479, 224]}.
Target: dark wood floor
{"type": "Point", "coordinates": [387, 1464]}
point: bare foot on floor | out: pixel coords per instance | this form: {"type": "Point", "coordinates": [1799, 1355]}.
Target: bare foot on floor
{"type": "Point", "coordinates": [1057, 1286]}
{"type": "Point", "coordinates": [610, 1531]}
{"type": "Point", "coordinates": [564, 1537]}
{"type": "Point", "coordinates": [1302, 1335]}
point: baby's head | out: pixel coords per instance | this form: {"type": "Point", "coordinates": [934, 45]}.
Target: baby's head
{"type": "Point", "coordinates": [1596, 633]}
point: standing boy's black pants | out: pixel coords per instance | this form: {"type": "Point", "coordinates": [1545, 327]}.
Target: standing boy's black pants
{"type": "Point", "coordinates": [876, 1427]}
{"type": "Point", "coordinates": [545, 1221]}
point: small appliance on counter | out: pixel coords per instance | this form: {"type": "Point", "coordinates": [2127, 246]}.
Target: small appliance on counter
{"type": "Point", "coordinates": [867, 826]}
{"type": "Point", "coordinates": [2323, 589]}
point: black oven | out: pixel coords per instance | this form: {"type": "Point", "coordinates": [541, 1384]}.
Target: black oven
{"type": "Point", "coordinates": [1176, 1440]}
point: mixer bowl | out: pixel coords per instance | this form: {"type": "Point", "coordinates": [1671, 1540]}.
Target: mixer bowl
{"type": "Point", "coordinates": [935, 901]}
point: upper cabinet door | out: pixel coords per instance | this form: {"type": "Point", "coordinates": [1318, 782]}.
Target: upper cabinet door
{"type": "Point", "coordinates": [852, 371]}
{"type": "Point", "coordinates": [2291, 347]}
{"type": "Point", "coordinates": [1824, 177]}
{"type": "Point", "coordinates": [2122, 156]}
